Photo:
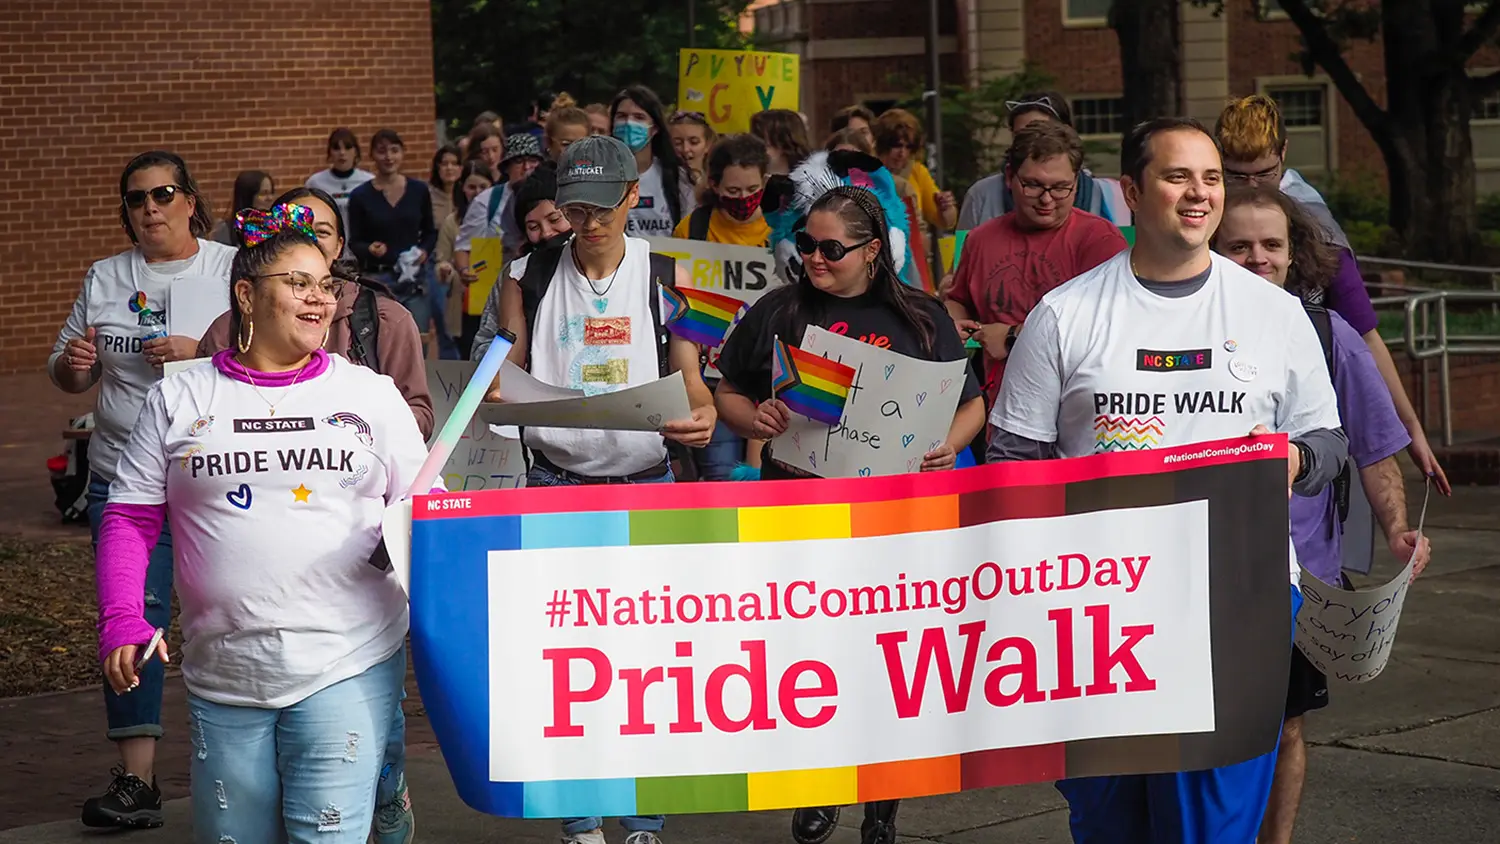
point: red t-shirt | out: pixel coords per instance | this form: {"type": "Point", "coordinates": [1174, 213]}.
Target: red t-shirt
{"type": "Point", "coordinates": [1005, 270]}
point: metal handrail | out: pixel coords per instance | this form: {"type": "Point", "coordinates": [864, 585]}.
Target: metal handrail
{"type": "Point", "coordinates": [1445, 347]}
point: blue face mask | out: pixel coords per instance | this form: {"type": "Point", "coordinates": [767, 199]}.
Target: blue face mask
{"type": "Point", "coordinates": [632, 134]}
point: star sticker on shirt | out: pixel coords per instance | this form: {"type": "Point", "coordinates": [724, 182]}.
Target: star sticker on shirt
{"type": "Point", "coordinates": [301, 493]}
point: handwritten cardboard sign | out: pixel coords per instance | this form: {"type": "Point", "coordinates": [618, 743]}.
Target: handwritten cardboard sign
{"type": "Point", "coordinates": [744, 272]}
{"type": "Point", "coordinates": [483, 459]}
{"type": "Point", "coordinates": [728, 86]}
{"type": "Point", "coordinates": [899, 409]}
{"type": "Point", "coordinates": [1348, 634]}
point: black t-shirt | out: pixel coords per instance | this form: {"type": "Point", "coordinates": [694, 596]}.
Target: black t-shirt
{"type": "Point", "coordinates": [746, 358]}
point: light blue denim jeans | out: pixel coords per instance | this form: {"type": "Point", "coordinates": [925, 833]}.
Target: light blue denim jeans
{"type": "Point", "coordinates": [137, 713]}
{"type": "Point", "coordinates": [304, 774]}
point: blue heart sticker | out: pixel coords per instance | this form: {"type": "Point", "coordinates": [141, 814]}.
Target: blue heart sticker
{"type": "Point", "coordinates": [240, 497]}
{"type": "Point", "coordinates": [906, 439]}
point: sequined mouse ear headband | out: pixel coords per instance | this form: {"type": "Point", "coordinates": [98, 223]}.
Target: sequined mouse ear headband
{"type": "Point", "coordinates": [259, 226]}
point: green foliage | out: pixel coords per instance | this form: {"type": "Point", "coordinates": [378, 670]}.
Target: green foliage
{"type": "Point", "coordinates": [1489, 212]}
{"type": "Point", "coordinates": [974, 122]}
{"type": "Point", "coordinates": [499, 54]}
{"type": "Point", "coordinates": [1371, 239]}
{"type": "Point", "coordinates": [1358, 198]}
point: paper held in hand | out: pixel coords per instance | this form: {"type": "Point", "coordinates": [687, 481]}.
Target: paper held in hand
{"type": "Point", "coordinates": [1349, 634]}
{"type": "Point", "coordinates": [898, 409]}
{"type": "Point", "coordinates": [527, 402]}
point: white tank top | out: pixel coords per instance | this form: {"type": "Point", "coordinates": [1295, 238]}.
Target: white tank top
{"type": "Point", "coordinates": [597, 336]}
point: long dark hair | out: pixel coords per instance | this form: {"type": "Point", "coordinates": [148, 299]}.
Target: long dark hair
{"type": "Point", "coordinates": [252, 261]}
{"type": "Point", "coordinates": [672, 171]}
{"type": "Point", "coordinates": [437, 161]}
{"type": "Point", "coordinates": [784, 129]}
{"type": "Point", "coordinates": [202, 219]}
{"type": "Point", "coordinates": [246, 187]}
{"type": "Point", "coordinates": [1314, 260]}
{"type": "Point", "coordinates": [798, 305]}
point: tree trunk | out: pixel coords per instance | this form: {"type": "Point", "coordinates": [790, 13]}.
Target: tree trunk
{"type": "Point", "coordinates": [1150, 58]}
{"type": "Point", "coordinates": [1428, 150]}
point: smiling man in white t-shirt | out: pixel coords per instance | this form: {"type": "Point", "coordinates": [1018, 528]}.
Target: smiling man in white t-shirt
{"type": "Point", "coordinates": [1164, 345]}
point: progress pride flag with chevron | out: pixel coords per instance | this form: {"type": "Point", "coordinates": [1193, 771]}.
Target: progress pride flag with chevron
{"type": "Point", "coordinates": [729, 647]}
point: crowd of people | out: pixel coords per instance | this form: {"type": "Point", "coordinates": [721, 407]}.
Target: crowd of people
{"type": "Point", "coordinates": [254, 485]}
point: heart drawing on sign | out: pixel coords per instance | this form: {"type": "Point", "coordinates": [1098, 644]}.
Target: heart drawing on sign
{"type": "Point", "coordinates": [944, 385]}
{"type": "Point", "coordinates": [654, 420]}
{"type": "Point", "coordinates": [812, 457]}
{"type": "Point", "coordinates": [912, 464]}
{"type": "Point", "coordinates": [865, 472]}
{"type": "Point", "coordinates": [906, 439]}
{"type": "Point", "coordinates": [921, 397]}
{"type": "Point", "coordinates": [240, 497]}
{"type": "Point", "coordinates": [889, 368]}
{"type": "Point", "coordinates": [797, 439]}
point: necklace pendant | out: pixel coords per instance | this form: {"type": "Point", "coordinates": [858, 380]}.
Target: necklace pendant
{"type": "Point", "coordinates": [273, 411]}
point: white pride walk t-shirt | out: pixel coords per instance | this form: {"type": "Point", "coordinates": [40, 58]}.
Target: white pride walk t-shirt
{"type": "Point", "coordinates": [652, 215]}
{"type": "Point", "coordinates": [109, 304]}
{"type": "Point", "coordinates": [274, 519]}
{"type": "Point", "coordinates": [1103, 364]}
{"type": "Point", "coordinates": [598, 337]}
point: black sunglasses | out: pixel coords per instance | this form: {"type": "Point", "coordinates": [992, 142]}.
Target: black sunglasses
{"type": "Point", "coordinates": [163, 195]}
{"type": "Point", "coordinates": [831, 249]}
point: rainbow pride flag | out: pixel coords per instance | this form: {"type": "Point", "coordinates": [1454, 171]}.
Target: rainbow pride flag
{"type": "Point", "coordinates": [699, 316]}
{"type": "Point", "coordinates": [810, 384]}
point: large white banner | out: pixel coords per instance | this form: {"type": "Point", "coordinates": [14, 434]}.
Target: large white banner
{"type": "Point", "coordinates": [688, 659]}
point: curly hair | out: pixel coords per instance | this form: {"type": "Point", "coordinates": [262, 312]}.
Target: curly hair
{"type": "Point", "coordinates": [1314, 259]}
{"type": "Point", "coordinates": [896, 126]}
{"type": "Point", "coordinates": [1250, 128]}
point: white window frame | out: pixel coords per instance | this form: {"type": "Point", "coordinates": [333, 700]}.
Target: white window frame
{"type": "Point", "coordinates": [1070, 22]}
{"type": "Point", "coordinates": [1107, 136]}
{"type": "Point", "coordinates": [1485, 122]}
{"type": "Point", "coordinates": [1266, 13]}
{"type": "Point", "coordinates": [1267, 84]}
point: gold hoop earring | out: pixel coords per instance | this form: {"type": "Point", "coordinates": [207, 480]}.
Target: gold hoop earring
{"type": "Point", "coordinates": [326, 332]}
{"type": "Point", "coordinates": [870, 268]}
{"type": "Point", "coordinates": [244, 340]}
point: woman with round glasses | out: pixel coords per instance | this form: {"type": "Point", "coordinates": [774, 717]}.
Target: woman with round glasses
{"type": "Point", "coordinates": [117, 336]}
{"type": "Point", "coordinates": [275, 464]}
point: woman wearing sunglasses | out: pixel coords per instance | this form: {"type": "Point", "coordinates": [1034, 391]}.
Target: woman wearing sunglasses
{"type": "Point", "coordinates": [275, 464]}
{"type": "Point", "coordinates": [848, 284]}
{"type": "Point", "coordinates": [117, 337]}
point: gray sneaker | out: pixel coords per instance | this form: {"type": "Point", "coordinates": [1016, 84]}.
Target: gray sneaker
{"type": "Point", "coordinates": [642, 837]}
{"type": "Point", "coordinates": [593, 836]}
{"type": "Point", "coordinates": [394, 822]}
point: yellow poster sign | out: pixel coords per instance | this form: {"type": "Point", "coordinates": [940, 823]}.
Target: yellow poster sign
{"type": "Point", "coordinates": [730, 85]}
{"type": "Point", "coordinates": [485, 258]}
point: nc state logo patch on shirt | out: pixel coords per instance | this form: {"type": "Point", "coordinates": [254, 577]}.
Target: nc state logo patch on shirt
{"type": "Point", "coordinates": [1181, 360]}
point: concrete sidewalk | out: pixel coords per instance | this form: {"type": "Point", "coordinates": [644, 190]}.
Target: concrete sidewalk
{"type": "Point", "coordinates": [1411, 757]}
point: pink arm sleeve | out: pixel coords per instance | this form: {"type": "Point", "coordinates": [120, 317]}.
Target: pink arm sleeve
{"type": "Point", "coordinates": [127, 533]}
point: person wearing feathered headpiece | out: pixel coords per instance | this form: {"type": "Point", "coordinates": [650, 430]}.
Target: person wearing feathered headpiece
{"type": "Point", "coordinates": [789, 199]}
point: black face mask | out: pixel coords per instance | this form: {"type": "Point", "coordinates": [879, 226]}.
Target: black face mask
{"type": "Point", "coordinates": [556, 241]}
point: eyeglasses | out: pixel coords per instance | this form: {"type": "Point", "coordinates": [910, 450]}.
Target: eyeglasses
{"type": "Point", "coordinates": [695, 116]}
{"type": "Point", "coordinates": [163, 195]}
{"type": "Point", "coordinates": [1272, 173]}
{"type": "Point", "coordinates": [579, 215]}
{"type": "Point", "coordinates": [303, 284]}
{"type": "Point", "coordinates": [832, 250]}
{"type": "Point", "coordinates": [1034, 190]}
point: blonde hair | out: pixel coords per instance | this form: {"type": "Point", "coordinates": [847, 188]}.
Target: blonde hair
{"type": "Point", "coordinates": [1250, 128]}
{"type": "Point", "coordinates": [563, 100]}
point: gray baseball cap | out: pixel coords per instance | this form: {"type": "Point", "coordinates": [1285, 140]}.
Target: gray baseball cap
{"type": "Point", "coordinates": [595, 171]}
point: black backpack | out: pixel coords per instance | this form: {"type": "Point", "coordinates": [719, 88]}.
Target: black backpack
{"type": "Point", "coordinates": [542, 265]}
{"type": "Point", "coordinates": [698, 222]}
{"type": "Point", "coordinates": [364, 324]}
{"type": "Point", "coordinates": [1322, 322]}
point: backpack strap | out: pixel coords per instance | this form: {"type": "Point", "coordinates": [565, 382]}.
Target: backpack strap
{"type": "Point", "coordinates": [698, 223]}
{"type": "Point", "coordinates": [664, 273]}
{"type": "Point", "coordinates": [541, 265]}
{"type": "Point", "coordinates": [1322, 322]}
{"type": "Point", "coordinates": [364, 326]}
{"type": "Point", "coordinates": [497, 196]}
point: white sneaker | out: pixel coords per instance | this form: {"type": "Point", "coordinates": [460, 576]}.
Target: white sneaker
{"type": "Point", "coordinates": [593, 836]}
{"type": "Point", "coordinates": [642, 837]}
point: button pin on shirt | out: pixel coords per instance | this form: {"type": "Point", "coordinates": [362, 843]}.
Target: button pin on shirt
{"type": "Point", "coordinates": [1243, 369]}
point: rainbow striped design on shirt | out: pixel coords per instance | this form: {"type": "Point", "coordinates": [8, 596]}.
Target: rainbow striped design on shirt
{"type": "Point", "coordinates": [810, 384]}
{"type": "Point", "coordinates": [699, 316]}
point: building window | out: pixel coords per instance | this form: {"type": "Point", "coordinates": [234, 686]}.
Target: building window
{"type": "Point", "coordinates": [1488, 108]}
{"type": "Point", "coordinates": [1086, 12]}
{"type": "Point", "coordinates": [1271, 10]}
{"type": "Point", "coordinates": [1099, 116]}
{"type": "Point", "coordinates": [1304, 109]}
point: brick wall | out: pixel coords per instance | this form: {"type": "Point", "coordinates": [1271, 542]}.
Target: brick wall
{"type": "Point", "coordinates": [1081, 59]}
{"type": "Point", "coordinates": [227, 85]}
{"type": "Point", "coordinates": [1474, 387]}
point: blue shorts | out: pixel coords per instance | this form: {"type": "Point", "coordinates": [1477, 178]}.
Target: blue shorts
{"type": "Point", "coordinates": [1217, 806]}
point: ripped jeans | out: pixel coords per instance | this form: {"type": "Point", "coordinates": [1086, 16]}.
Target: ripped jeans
{"type": "Point", "coordinates": [137, 714]}
{"type": "Point", "coordinates": [304, 774]}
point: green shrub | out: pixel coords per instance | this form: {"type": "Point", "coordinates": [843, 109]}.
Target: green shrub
{"type": "Point", "coordinates": [1489, 211]}
{"type": "Point", "coordinates": [1359, 198]}
{"type": "Point", "coordinates": [1376, 240]}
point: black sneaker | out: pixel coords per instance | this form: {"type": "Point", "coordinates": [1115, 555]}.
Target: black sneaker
{"type": "Point", "coordinates": [128, 803]}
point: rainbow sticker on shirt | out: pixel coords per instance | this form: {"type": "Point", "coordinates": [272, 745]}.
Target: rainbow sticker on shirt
{"type": "Point", "coordinates": [360, 427]}
{"type": "Point", "coordinates": [1127, 433]}
{"type": "Point", "coordinates": [137, 303]}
